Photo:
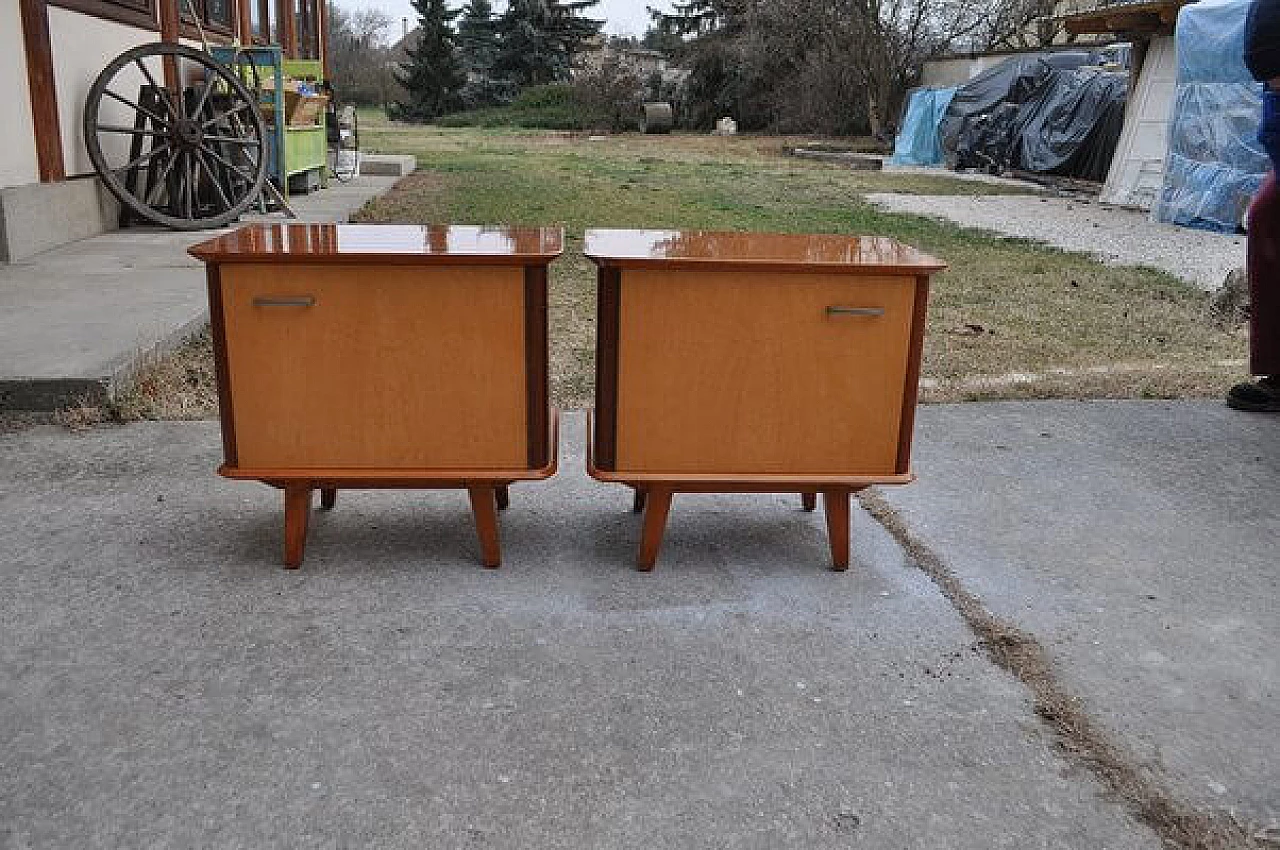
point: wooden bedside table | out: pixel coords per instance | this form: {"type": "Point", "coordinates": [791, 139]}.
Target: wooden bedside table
{"type": "Point", "coordinates": [746, 362]}
{"type": "Point", "coordinates": [372, 356]}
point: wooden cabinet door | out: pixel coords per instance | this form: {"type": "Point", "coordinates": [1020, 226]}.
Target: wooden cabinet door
{"type": "Point", "coordinates": [750, 373]}
{"type": "Point", "coordinates": [391, 367]}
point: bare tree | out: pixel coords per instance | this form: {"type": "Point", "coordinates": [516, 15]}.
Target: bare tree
{"type": "Point", "coordinates": [608, 97]}
{"type": "Point", "coordinates": [360, 62]}
{"type": "Point", "coordinates": [771, 64]}
{"type": "Point", "coordinates": [1020, 24]}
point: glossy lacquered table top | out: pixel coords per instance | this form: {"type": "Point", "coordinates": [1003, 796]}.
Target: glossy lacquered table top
{"type": "Point", "coordinates": [384, 243]}
{"type": "Point", "coordinates": [737, 251]}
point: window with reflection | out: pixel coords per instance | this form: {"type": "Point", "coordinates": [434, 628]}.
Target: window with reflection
{"type": "Point", "coordinates": [214, 15]}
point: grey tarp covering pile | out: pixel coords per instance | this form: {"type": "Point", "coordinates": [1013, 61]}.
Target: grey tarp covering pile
{"type": "Point", "coordinates": [1047, 113]}
{"type": "Point", "coordinates": [1215, 162]}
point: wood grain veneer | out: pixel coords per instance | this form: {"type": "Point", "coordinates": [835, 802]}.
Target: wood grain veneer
{"type": "Point", "coordinates": [537, 364]}
{"type": "Point", "coordinates": [383, 370]}
{"type": "Point", "coordinates": [608, 299]}
{"type": "Point", "coordinates": [737, 374]}
{"type": "Point", "coordinates": [222, 372]}
{"type": "Point", "coordinates": [911, 383]}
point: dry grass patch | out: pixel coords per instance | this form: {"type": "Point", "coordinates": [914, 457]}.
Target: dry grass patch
{"type": "Point", "coordinates": [181, 385]}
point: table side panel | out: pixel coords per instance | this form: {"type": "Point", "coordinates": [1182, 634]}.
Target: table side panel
{"type": "Point", "coordinates": [392, 367]}
{"type": "Point", "coordinates": [747, 373]}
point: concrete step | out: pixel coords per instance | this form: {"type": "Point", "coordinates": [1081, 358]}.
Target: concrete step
{"type": "Point", "coordinates": [78, 321]}
{"type": "Point", "coordinates": [387, 165]}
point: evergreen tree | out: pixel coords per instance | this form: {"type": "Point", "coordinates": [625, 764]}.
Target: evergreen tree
{"type": "Point", "coordinates": [707, 36]}
{"type": "Point", "coordinates": [538, 38]}
{"type": "Point", "coordinates": [478, 47]}
{"type": "Point", "coordinates": [433, 76]}
{"type": "Point", "coordinates": [693, 18]}
{"type": "Point", "coordinates": [478, 36]}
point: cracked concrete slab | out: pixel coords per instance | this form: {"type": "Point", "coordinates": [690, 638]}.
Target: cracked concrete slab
{"type": "Point", "coordinates": [165, 683]}
{"type": "Point", "coordinates": [1138, 542]}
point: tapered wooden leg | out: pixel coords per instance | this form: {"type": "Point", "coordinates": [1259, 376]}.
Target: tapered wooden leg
{"type": "Point", "coordinates": [328, 498]}
{"type": "Point", "coordinates": [483, 505]}
{"type": "Point", "coordinates": [297, 512]}
{"type": "Point", "coordinates": [504, 497]}
{"type": "Point", "coordinates": [809, 501]}
{"type": "Point", "coordinates": [637, 503]}
{"type": "Point", "coordinates": [657, 505]}
{"type": "Point", "coordinates": [836, 505]}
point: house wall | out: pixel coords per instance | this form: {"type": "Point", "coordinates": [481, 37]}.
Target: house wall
{"type": "Point", "coordinates": [82, 46]}
{"type": "Point", "coordinates": [18, 165]}
{"type": "Point", "coordinates": [956, 71]}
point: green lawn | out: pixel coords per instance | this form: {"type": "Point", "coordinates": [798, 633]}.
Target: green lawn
{"type": "Point", "coordinates": [1084, 328]}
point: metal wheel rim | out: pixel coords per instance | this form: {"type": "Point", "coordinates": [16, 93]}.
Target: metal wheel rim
{"type": "Point", "coordinates": [194, 155]}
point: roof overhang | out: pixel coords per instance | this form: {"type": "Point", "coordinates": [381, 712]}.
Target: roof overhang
{"type": "Point", "coordinates": [1156, 17]}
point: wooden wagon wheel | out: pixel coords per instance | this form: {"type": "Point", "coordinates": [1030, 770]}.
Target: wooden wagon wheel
{"type": "Point", "coordinates": [188, 155]}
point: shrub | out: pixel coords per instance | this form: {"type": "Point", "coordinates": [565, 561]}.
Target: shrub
{"type": "Point", "coordinates": [548, 107]}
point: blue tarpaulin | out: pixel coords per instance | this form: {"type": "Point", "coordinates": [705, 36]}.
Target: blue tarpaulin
{"type": "Point", "coordinates": [919, 142]}
{"type": "Point", "coordinates": [1215, 162]}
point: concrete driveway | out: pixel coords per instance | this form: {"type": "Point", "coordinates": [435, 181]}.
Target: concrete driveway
{"type": "Point", "coordinates": [163, 683]}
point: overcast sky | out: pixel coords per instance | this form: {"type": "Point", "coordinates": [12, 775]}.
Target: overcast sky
{"type": "Point", "coordinates": [622, 17]}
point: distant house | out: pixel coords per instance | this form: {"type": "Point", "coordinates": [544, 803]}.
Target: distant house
{"type": "Point", "coordinates": [640, 61]}
{"type": "Point", "coordinates": [409, 39]}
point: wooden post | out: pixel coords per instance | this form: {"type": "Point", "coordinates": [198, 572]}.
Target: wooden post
{"type": "Point", "coordinates": [170, 26]}
{"type": "Point", "coordinates": [43, 93]}
{"type": "Point", "coordinates": [244, 21]}
{"type": "Point", "coordinates": [322, 36]}
{"type": "Point", "coordinates": [288, 29]}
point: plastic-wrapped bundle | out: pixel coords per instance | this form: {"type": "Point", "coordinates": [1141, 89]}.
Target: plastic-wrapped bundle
{"type": "Point", "coordinates": [1072, 128]}
{"type": "Point", "coordinates": [1012, 81]}
{"type": "Point", "coordinates": [920, 142]}
{"type": "Point", "coordinates": [1067, 123]}
{"type": "Point", "coordinates": [1206, 195]}
{"type": "Point", "coordinates": [989, 141]}
{"type": "Point", "coordinates": [1215, 163]}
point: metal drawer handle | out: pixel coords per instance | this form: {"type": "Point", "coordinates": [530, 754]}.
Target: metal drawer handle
{"type": "Point", "coordinates": [855, 311]}
{"type": "Point", "coordinates": [303, 301]}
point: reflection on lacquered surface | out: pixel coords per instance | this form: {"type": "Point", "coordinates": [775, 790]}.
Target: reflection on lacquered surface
{"type": "Point", "coordinates": [321, 241]}
{"type": "Point", "coordinates": [658, 247]}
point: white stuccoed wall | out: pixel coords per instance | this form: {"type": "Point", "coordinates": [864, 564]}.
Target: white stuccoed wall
{"type": "Point", "coordinates": [82, 46]}
{"type": "Point", "coordinates": [18, 165]}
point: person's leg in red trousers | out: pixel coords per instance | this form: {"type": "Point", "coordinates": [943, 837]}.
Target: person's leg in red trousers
{"type": "Point", "coordinates": [1264, 303]}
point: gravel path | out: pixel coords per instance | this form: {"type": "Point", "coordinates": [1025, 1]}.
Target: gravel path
{"type": "Point", "coordinates": [1114, 235]}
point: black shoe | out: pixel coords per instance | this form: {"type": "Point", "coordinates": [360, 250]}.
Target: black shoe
{"type": "Point", "coordinates": [1260, 396]}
